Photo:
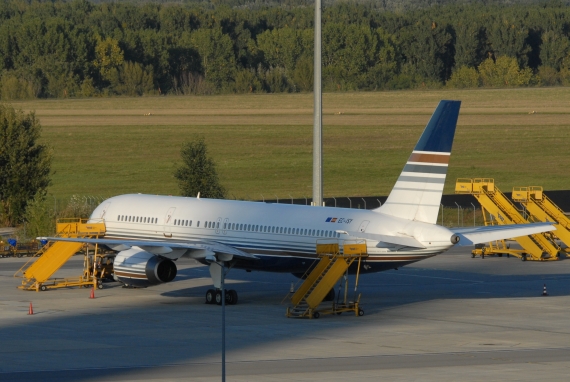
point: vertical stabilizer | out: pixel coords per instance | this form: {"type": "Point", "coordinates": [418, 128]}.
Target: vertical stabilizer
{"type": "Point", "coordinates": [417, 193]}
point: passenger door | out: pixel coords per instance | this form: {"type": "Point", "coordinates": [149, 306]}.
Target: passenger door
{"type": "Point", "coordinates": [168, 222]}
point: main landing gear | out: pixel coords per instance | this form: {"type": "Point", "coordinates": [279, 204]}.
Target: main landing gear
{"type": "Point", "coordinates": [214, 296]}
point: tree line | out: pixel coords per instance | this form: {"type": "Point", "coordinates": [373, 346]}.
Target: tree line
{"type": "Point", "coordinates": [82, 49]}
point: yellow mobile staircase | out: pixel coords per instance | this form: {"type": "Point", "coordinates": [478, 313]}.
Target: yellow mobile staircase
{"type": "Point", "coordinates": [331, 267]}
{"type": "Point", "coordinates": [542, 209]}
{"type": "Point", "coordinates": [36, 276]}
{"type": "Point", "coordinates": [539, 247]}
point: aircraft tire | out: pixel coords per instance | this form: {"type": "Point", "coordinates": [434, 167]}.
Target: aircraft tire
{"type": "Point", "coordinates": [360, 312]}
{"type": "Point", "coordinates": [218, 297]}
{"type": "Point", "coordinates": [210, 296]}
{"type": "Point", "coordinates": [234, 296]}
{"type": "Point", "coordinates": [229, 298]}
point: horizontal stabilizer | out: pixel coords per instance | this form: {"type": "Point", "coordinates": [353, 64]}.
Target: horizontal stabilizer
{"type": "Point", "coordinates": [407, 241]}
{"type": "Point", "coordinates": [476, 235]}
{"type": "Point", "coordinates": [160, 246]}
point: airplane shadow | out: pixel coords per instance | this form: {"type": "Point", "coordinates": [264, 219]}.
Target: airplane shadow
{"type": "Point", "coordinates": [182, 329]}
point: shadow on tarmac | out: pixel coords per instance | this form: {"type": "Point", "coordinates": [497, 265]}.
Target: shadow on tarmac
{"type": "Point", "coordinates": [181, 329]}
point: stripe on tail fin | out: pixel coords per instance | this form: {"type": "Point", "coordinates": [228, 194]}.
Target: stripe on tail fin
{"type": "Point", "coordinates": [417, 193]}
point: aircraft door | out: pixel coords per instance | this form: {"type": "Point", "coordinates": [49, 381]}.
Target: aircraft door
{"type": "Point", "coordinates": [225, 228]}
{"type": "Point", "coordinates": [168, 222]}
{"type": "Point", "coordinates": [363, 226]}
{"type": "Point", "coordinates": [104, 211]}
{"type": "Point", "coordinates": [218, 225]}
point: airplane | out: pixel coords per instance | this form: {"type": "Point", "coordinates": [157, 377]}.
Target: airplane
{"type": "Point", "coordinates": [150, 232]}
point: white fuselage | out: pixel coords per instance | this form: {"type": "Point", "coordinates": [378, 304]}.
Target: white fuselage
{"type": "Point", "coordinates": [283, 236]}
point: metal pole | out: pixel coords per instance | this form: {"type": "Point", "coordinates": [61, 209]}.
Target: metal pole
{"type": "Point", "coordinates": [223, 327]}
{"type": "Point", "coordinates": [334, 201]}
{"type": "Point", "coordinates": [350, 201]}
{"type": "Point", "coordinates": [457, 213]}
{"type": "Point", "coordinates": [473, 214]}
{"type": "Point", "coordinates": [317, 114]}
{"type": "Point", "coordinates": [291, 198]}
{"type": "Point", "coordinates": [277, 198]}
{"type": "Point", "coordinates": [364, 202]}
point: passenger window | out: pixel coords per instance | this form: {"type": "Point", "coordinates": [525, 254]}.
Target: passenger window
{"type": "Point", "coordinates": [190, 223]}
{"type": "Point", "coordinates": [198, 224]}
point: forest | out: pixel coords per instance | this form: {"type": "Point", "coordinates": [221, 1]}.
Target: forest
{"type": "Point", "coordinates": [81, 48]}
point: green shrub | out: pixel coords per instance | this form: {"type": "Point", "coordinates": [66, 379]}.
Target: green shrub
{"type": "Point", "coordinates": [464, 77]}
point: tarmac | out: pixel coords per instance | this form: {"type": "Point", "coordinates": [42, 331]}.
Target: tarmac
{"type": "Point", "coordinates": [447, 318]}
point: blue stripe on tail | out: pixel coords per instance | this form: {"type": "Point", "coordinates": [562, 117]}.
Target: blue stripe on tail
{"type": "Point", "coordinates": [440, 130]}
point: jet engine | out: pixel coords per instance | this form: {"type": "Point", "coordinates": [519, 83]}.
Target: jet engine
{"type": "Point", "coordinates": [138, 268]}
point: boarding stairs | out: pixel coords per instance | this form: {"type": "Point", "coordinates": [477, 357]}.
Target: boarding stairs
{"type": "Point", "coordinates": [542, 209]}
{"type": "Point", "coordinates": [538, 247]}
{"type": "Point", "coordinates": [333, 264]}
{"type": "Point", "coordinates": [50, 258]}
{"type": "Point", "coordinates": [497, 247]}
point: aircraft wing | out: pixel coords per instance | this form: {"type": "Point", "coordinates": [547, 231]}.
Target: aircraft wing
{"type": "Point", "coordinates": [161, 247]}
{"type": "Point", "coordinates": [476, 235]}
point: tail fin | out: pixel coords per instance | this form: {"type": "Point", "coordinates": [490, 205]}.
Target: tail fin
{"type": "Point", "coordinates": [417, 193]}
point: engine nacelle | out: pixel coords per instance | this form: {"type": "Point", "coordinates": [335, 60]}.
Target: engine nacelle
{"type": "Point", "coordinates": [139, 268]}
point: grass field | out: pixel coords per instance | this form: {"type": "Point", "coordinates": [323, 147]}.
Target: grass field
{"type": "Point", "coordinates": [262, 144]}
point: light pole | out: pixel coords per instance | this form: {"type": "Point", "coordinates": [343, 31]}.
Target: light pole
{"type": "Point", "coordinates": [317, 113]}
{"type": "Point", "coordinates": [212, 260]}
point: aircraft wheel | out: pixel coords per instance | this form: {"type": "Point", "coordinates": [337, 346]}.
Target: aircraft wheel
{"type": "Point", "coordinates": [234, 296]}
{"type": "Point", "coordinates": [316, 315]}
{"type": "Point", "coordinates": [43, 288]}
{"type": "Point", "coordinates": [218, 297]}
{"type": "Point", "coordinates": [229, 298]}
{"type": "Point", "coordinates": [360, 312]}
{"type": "Point", "coordinates": [210, 296]}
